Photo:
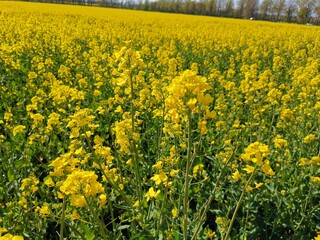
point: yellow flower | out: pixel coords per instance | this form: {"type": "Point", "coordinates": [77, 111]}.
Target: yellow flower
{"type": "Point", "coordinates": [158, 165]}
{"type": "Point", "coordinates": [258, 185]}
{"type": "Point", "coordinates": [80, 151]}
{"type": "Point", "coordinates": [279, 142]}
{"type": "Point", "coordinates": [211, 114]}
{"type": "Point", "coordinates": [82, 182]}
{"type": "Point", "coordinates": [255, 148]}
{"type": "Point", "coordinates": [129, 162]}
{"type": "Point", "coordinates": [37, 119]}
{"type": "Point", "coordinates": [53, 120]}
{"type": "Point", "coordinates": [202, 125]}
{"type": "Point", "coordinates": [102, 200]}
{"type": "Point", "coordinates": [198, 170]}
{"type": "Point", "coordinates": [2, 230]}
{"type": "Point", "coordinates": [49, 182]}
{"type": "Point", "coordinates": [318, 236]}
{"type": "Point", "coordinates": [286, 114]}
{"type": "Point", "coordinates": [174, 172]}
{"type": "Point", "coordinates": [315, 160]}
{"type": "Point", "coordinates": [210, 234]}
{"type": "Point", "coordinates": [183, 145]}
{"type": "Point", "coordinates": [249, 169]}
{"type": "Point", "coordinates": [310, 138]}
{"type": "Point", "coordinates": [61, 195]}
{"type": "Point", "coordinates": [246, 156]}
{"type": "Point", "coordinates": [249, 188]}
{"type": "Point", "coordinates": [74, 215]}
{"type": "Point", "coordinates": [18, 129]}
{"type": "Point", "coordinates": [45, 211]}
{"type": "Point", "coordinates": [315, 179]}
{"type": "Point", "coordinates": [96, 93]}
{"type": "Point", "coordinates": [74, 133]}
{"type": "Point", "coordinates": [78, 201]}
{"type": "Point", "coordinates": [303, 161]}
{"type": "Point", "coordinates": [98, 141]}
{"type": "Point", "coordinates": [8, 116]}
{"type": "Point", "coordinates": [9, 236]}
{"type": "Point", "coordinates": [29, 184]}
{"type": "Point", "coordinates": [236, 176]}
{"type": "Point", "coordinates": [192, 105]}
{"type": "Point", "coordinates": [267, 169]}
{"type": "Point", "coordinates": [136, 204]}
{"type": "Point", "coordinates": [221, 125]}
{"type": "Point", "coordinates": [205, 100]}
{"type": "Point", "coordinates": [151, 193]}
{"type": "Point", "coordinates": [174, 212]}
{"type": "Point", "coordinates": [159, 178]}
{"type": "Point", "coordinates": [32, 75]}
{"type": "Point", "coordinates": [100, 110]}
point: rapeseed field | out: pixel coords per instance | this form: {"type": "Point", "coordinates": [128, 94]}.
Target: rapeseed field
{"type": "Point", "coordinates": [121, 124]}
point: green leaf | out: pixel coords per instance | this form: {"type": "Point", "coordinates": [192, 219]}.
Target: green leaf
{"type": "Point", "coordinates": [123, 227]}
{"type": "Point", "coordinates": [10, 175]}
{"type": "Point", "coordinates": [89, 235]}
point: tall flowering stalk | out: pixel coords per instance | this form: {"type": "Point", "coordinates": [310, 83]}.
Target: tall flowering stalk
{"type": "Point", "coordinates": [187, 100]}
{"type": "Point", "coordinates": [127, 84]}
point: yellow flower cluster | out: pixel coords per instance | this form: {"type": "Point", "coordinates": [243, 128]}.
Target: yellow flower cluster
{"type": "Point", "coordinates": [256, 153]}
{"type": "Point", "coordinates": [81, 185]}
{"type": "Point", "coordinates": [186, 93]}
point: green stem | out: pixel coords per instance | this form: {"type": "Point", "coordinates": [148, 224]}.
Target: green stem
{"type": "Point", "coordinates": [186, 181]}
{"type": "Point", "coordinates": [116, 155]}
{"type": "Point", "coordinates": [162, 207]}
{"type": "Point", "coordinates": [275, 221]}
{"type": "Point", "coordinates": [62, 218]}
{"type": "Point", "coordinates": [114, 185]}
{"type": "Point", "coordinates": [112, 214]}
{"type": "Point", "coordinates": [134, 156]}
{"type": "Point", "coordinates": [75, 231]}
{"type": "Point", "coordinates": [304, 210]}
{"type": "Point", "coordinates": [238, 206]}
{"type": "Point", "coordinates": [206, 206]}
{"type": "Point", "coordinates": [97, 220]}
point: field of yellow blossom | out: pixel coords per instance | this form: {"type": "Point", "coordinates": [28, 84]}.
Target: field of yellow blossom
{"type": "Point", "coordinates": [121, 124]}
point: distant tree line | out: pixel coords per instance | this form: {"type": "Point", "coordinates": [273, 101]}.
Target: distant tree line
{"type": "Point", "coordinates": [298, 11]}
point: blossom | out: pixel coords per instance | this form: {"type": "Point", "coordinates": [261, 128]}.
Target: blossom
{"type": "Point", "coordinates": [151, 193]}
{"type": "Point", "coordinates": [18, 129]}
{"type": "Point", "coordinates": [44, 210]}
{"type": "Point", "coordinates": [159, 178]}
{"type": "Point", "coordinates": [203, 127]}
{"type": "Point", "coordinates": [279, 142]}
{"type": "Point", "coordinates": [49, 182]}
{"type": "Point", "coordinates": [74, 215]}
{"type": "Point", "coordinates": [249, 169]}
{"type": "Point", "coordinates": [267, 169]}
{"type": "Point", "coordinates": [174, 212]}
{"type": "Point", "coordinates": [314, 179]}
{"type": "Point", "coordinates": [81, 182]}
{"type": "Point", "coordinates": [236, 175]}
{"type": "Point", "coordinates": [198, 170]}
{"type": "Point", "coordinates": [102, 200]}
{"type": "Point", "coordinates": [310, 138]}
